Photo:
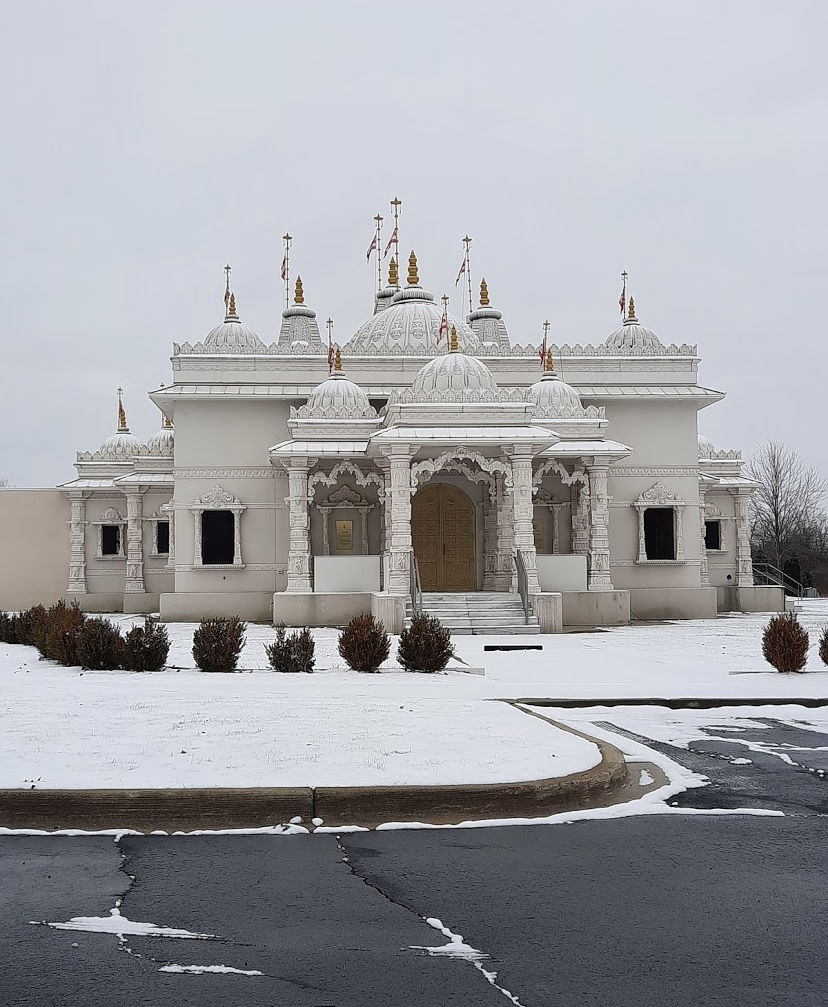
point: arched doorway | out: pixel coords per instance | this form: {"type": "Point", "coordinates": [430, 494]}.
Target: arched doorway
{"type": "Point", "coordinates": [443, 535]}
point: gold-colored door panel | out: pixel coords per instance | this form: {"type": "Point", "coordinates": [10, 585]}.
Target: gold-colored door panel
{"type": "Point", "coordinates": [443, 536]}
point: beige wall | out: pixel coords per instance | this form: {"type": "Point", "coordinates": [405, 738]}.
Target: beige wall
{"type": "Point", "coordinates": [34, 547]}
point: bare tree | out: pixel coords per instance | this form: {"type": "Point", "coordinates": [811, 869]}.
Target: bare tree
{"type": "Point", "coordinates": [4, 482]}
{"type": "Point", "coordinates": [789, 505]}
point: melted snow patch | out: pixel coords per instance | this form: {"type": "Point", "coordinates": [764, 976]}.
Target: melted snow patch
{"type": "Point", "coordinates": [456, 947]}
{"type": "Point", "coordinates": [645, 779]}
{"type": "Point", "coordinates": [198, 969]}
{"type": "Point", "coordinates": [122, 927]}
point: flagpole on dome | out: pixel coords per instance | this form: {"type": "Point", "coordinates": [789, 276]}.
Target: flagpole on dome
{"type": "Point", "coordinates": [378, 239]}
{"type": "Point", "coordinates": [622, 300]}
{"type": "Point", "coordinates": [467, 242]}
{"type": "Point", "coordinates": [542, 351]}
{"type": "Point", "coordinates": [329, 323]}
{"type": "Point", "coordinates": [286, 267]}
{"type": "Point", "coordinates": [227, 272]}
{"type": "Point", "coordinates": [443, 330]}
{"type": "Point", "coordinates": [396, 203]}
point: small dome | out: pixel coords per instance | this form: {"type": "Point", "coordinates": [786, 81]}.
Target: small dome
{"type": "Point", "coordinates": [339, 394]}
{"type": "Point", "coordinates": [232, 336]}
{"type": "Point", "coordinates": [706, 448]}
{"type": "Point", "coordinates": [632, 335]}
{"type": "Point", "coordinates": [161, 445]}
{"type": "Point", "coordinates": [454, 372]}
{"type": "Point", "coordinates": [550, 394]}
{"type": "Point", "coordinates": [121, 446]}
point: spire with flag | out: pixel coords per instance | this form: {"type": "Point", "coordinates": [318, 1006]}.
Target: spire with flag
{"type": "Point", "coordinates": [227, 272]}
{"type": "Point", "coordinates": [542, 350]}
{"type": "Point", "coordinates": [443, 330]}
{"type": "Point", "coordinates": [622, 300]}
{"type": "Point", "coordinates": [329, 323]}
{"type": "Point", "coordinates": [285, 271]}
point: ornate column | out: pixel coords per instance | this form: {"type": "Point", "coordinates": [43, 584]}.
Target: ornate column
{"type": "Point", "coordinates": [363, 517]}
{"type": "Point", "coordinates": [505, 549]}
{"type": "Point", "coordinates": [599, 551]}
{"type": "Point", "coordinates": [77, 543]}
{"type": "Point", "coordinates": [744, 559]}
{"type": "Point", "coordinates": [705, 572]}
{"type": "Point", "coordinates": [134, 544]}
{"type": "Point", "coordinates": [490, 524]}
{"type": "Point", "coordinates": [326, 534]}
{"type": "Point", "coordinates": [299, 553]}
{"type": "Point", "coordinates": [580, 518]}
{"type": "Point", "coordinates": [399, 545]}
{"type": "Point", "coordinates": [169, 510]}
{"type": "Point", "coordinates": [524, 510]}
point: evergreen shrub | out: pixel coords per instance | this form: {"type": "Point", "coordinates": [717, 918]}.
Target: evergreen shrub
{"type": "Point", "coordinates": [823, 646]}
{"type": "Point", "coordinates": [59, 642]}
{"type": "Point", "coordinates": [99, 645]}
{"type": "Point", "coordinates": [8, 628]}
{"type": "Point", "coordinates": [30, 626]}
{"type": "Point", "coordinates": [146, 647]}
{"type": "Point", "coordinates": [217, 643]}
{"type": "Point", "coordinates": [292, 652]}
{"type": "Point", "coordinates": [785, 643]}
{"type": "Point", "coordinates": [364, 643]}
{"type": "Point", "coordinates": [425, 645]}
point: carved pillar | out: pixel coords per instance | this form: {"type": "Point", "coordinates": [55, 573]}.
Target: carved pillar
{"type": "Point", "coordinates": [77, 543]}
{"type": "Point", "coordinates": [490, 505]}
{"type": "Point", "coordinates": [299, 553]}
{"type": "Point", "coordinates": [326, 535]}
{"type": "Point", "coordinates": [580, 518]}
{"type": "Point", "coordinates": [704, 578]}
{"type": "Point", "coordinates": [599, 551]}
{"type": "Point", "coordinates": [134, 544]}
{"type": "Point", "coordinates": [399, 545]}
{"type": "Point", "coordinates": [744, 561]}
{"type": "Point", "coordinates": [363, 517]}
{"type": "Point", "coordinates": [505, 542]}
{"type": "Point", "coordinates": [524, 510]}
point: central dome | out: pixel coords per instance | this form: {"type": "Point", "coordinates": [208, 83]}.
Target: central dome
{"type": "Point", "coordinates": [453, 372]}
{"type": "Point", "coordinates": [409, 325]}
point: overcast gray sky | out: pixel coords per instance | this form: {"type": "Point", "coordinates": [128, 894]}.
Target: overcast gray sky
{"type": "Point", "coordinates": [146, 144]}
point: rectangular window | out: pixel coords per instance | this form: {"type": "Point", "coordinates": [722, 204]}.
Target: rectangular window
{"type": "Point", "coordinates": [110, 540]}
{"type": "Point", "coordinates": [218, 538]}
{"type": "Point", "coordinates": [163, 538]}
{"type": "Point", "coordinates": [659, 535]}
{"type": "Point", "coordinates": [712, 534]}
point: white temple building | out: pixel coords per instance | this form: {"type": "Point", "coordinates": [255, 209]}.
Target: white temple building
{"type": "Point", "coordinates": [429, 462]}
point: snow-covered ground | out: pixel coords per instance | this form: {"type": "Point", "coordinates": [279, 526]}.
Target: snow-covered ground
{"type": "Point", "coordinates": [62, 727]}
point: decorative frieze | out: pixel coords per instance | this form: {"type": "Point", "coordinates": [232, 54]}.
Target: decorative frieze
{"type": "Point", "coordinates": [228, 472]}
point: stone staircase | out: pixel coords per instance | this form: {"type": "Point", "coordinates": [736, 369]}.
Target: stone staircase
{"type": "Point", "coordinates": [479, 613]}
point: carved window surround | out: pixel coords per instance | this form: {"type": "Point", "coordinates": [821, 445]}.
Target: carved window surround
{"type": "Point", "coordinates": [659, 496]}
{"type": "Point", "coordinates": [344, 499]}
{"type": "Point", "coordinates": [162, 514]}
{"type": "Point", "coordinates": [544, 498]}
{"type": "Point", "coordinates": [111, 516]}
{"type": "Point", "coordinates": [217, 499]}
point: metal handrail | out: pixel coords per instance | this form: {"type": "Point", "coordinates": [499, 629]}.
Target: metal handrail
{"type": "Point", "coordinates": [772, 575]}
{"type": "Point", "coordinates": [522, 583]}
{"type": "Point", "coordinates": [415, 587]}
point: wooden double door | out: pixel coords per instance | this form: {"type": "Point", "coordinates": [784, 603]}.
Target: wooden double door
{"type": "Point", "coordinates": [443, 535]}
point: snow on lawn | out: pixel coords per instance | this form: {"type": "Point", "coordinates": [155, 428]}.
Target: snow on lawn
{"type": "Point", "coordinates": [64, 728]}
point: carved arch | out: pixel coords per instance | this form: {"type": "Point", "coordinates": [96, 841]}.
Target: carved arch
{"type": "Point", "coordinates": [567, 478]}
{"type": "Point", "coordinates": [429, 466]}
{"type": "Point", "coordinates": [362, 478]}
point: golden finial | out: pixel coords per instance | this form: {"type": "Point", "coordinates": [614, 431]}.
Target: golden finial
{"type": "Point", "coordinates": [413, 276]}
{"type": "Point", "coordinates": [393, 274]}
{"type": "Point", "coordinates": [453, 339]}
{"type": "Point", "coordinates": [550, 363]}
{"type": "Point", "coordinates": [484, 293]}
{"type": "Point", "coordinates": [167, 423]}
{"type": "Point", "coordinates": [338, 360]}
{"type": "Point", "coordinates": [122, 420]}
{"type": "Point", "coordinates": [232, 309]}
{"type": "Point", "coordinates": [299, 296]}
{"type": "Point", "coordinates": [631, 312]}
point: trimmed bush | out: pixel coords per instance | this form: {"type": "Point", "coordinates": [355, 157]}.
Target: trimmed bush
{"type": "Point", "coordinates": [63, 623]}
{"type": "Point", "coordinates": [785, 643]}
{"type": "Point", "coordinates": [30, 626]}
{"type": "Point", "coordinates": [217, 643]}
{"type": "Point", "coordinates": [425, 645]}
{"type": "Point", "coordinates": [823, 646]}
{"type": "Point", "coordinates": [8, 628]}
{"type": "Point", "coordinates": [146, 647]}
{"type": "Point", "coordinates": [364, 643]}
{"type": "Point", "coordinates": [291, 653]}
{"type": "Point", "coordinates": [99, 645]}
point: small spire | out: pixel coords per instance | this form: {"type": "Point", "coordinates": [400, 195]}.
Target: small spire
{"type": "Point", "coordinates": [550, 363]}
{"type": "Point", "coordinates": [299, 296]}
{"type": "Point", "coordinates": [453, 339]}
{"type": "Point", "coordinates": [631, 313]}
{"type": "Point", "coordinates": [413, 276]}
{"type": "Point", "coordinates": [167, 423]}
{"type": "Point", "coordinates": [338, 360]}
{"type": "Point", "coordinates": [122, 420]}
{"type": "Point", "coordinates": [231, 313]}
{"type": "Point", "coordinates": [393, 274]}
{"type": "Point", "coordinates": [484, 293]}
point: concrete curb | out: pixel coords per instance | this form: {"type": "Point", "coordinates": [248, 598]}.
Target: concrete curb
{"type": "Point", "coordinates": [218, 808]}
{"type": "Point", "coordinates": [693, 703]}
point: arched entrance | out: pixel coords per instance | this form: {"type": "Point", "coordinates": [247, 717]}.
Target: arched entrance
{"type": "Point", "coordinates": [443, 535]}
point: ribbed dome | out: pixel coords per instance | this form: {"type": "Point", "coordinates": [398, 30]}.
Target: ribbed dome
{"type": "Point", "coordinates": [410, 324]}
{"type": "Point", "coordinates": [553, 395]}
{"type": "Point", "coordinates": [232, 336]}
{"type": "Point", "coordinates": [161, 445]}
{"type": "Point", "coordinates": [706, 448]}
{"type": "Point", "coordinates": [121, 445]}
{"type": "Point", "coordinates": [632, 335]}
{"type": "Point", "coordinates": [338, 393]}
{"type": "Point", "coordinates": [455, 372]}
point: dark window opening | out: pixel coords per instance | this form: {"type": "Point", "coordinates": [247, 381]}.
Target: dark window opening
{"type": "Point", "coordinates": [218, 538]}
{"type": "Point", "coordinates": [163, 537]}
{"type": "Point", "coordinates": [110, 540]}
{"type": "Point", "coordinates": [659, 540]}
{"type": "Point", "coordinates": [712, 535]}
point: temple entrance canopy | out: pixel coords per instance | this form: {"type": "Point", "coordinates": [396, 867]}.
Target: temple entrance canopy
{"type": "Point", "coordinates": [443, 537]}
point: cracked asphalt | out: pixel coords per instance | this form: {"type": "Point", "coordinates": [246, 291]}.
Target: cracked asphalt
{"type": "Point", "coordinates": [661, 910]}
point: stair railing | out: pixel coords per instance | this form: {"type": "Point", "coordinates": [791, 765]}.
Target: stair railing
{"type": "Point", "coordinates": [522, 584]}
{"type": "Point", "coordinates": [415, 587]}
{"type": "Point", "coordinates": [772, 576]}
